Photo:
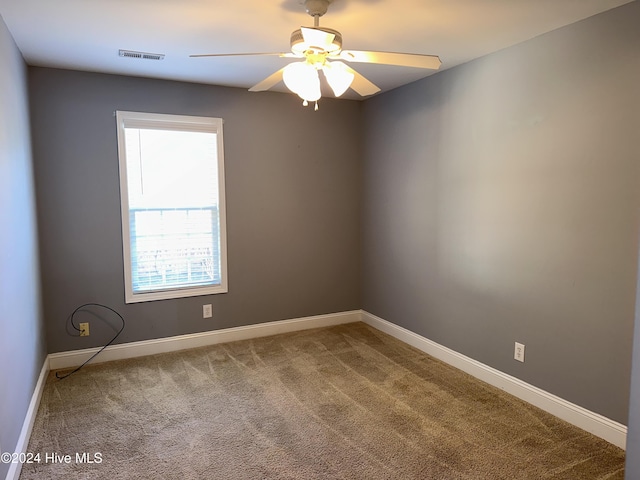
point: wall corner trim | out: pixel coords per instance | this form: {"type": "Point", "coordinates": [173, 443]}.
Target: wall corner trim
{"type": "Point", "coordinates": [29, 420]}
{"type": "Point", "coordinates": [603, 427]}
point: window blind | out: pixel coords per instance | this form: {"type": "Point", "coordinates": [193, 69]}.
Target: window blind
{"type": "Point", "coordinates": [172, 206]}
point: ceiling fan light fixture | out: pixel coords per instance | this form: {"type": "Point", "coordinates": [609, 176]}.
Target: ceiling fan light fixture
{"type": "Point", "coordinates": [338, 77]}
{"type": "Point", "coordinates": [302, 78]}
{"type": "Point", "coordinates": [316, 46]}
{"type": "Point", "coordinates": [311, 93]}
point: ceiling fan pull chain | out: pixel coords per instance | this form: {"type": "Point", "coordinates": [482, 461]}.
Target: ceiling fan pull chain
{"type": "Point", "coordinates": [316, 109]}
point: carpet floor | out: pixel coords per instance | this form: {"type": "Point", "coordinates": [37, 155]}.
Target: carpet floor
{"type": "Point", "coordinates": [344, 402]}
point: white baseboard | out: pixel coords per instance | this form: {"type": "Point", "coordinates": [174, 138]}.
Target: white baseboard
{"type": "Point", "coordinates": [163, 345]}
{"type": "Point", "coordinates": [601, 426]}
{"type": "Point", "coordinates": [75, 358]}
{"type": "Point", "coordinates": [29, 419]}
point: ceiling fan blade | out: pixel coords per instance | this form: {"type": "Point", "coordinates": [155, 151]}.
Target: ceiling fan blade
{"type": "Point", "coordinates": [317, 37]}
{"type": "Point", "coordinates": [287, 55]}
{"type": "Point", "coordinates": [431, 62]}
{"type": "Point", "coordinates": [361, 85]}
{"type": "Point", "coordinates": [268, 82]}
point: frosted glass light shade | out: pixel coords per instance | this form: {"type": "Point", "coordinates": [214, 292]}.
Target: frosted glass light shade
{"type": "Point", "coordinates": [311, 92]}
{"type": "Point", "coordinates": [302, 78]}
{"type": "Point", "coordinates": [294, 76]}
{"type": "Point", "coordinates": [338, 76]}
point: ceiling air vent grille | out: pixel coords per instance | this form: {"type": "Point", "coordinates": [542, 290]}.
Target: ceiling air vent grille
{"type": "Point", "coordinates": [142, 55]}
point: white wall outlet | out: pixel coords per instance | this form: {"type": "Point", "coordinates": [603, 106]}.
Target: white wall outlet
{"type": "Point", "coordinates": [84, 329]}
{"type": "Point", "coordinates": [519, 352]}
{"type": "Point", "coordinates": [207, 311]}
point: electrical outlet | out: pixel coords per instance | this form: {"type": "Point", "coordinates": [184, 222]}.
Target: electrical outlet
{"type": "Point", "coordinates": [84, 329]}
{"type": "Point", "coordinates": [519, 352]}
{"type": "Point", "coordinates": [207, 311]}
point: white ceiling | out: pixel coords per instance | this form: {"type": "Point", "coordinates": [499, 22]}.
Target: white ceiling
{"type": "Point", "coordinates": [87, 34]}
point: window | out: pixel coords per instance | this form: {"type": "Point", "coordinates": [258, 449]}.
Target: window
{"type": "Point", "coordinates": [172, 200]}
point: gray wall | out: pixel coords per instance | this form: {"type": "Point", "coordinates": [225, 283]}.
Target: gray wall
{"type": "Point", "coordinates": [501, 204]}
{"type": "Point", "coordinates": [22, 348]}
{"type": "Point", "coordinates": [632, 469]}
{"type": "Point", "coordinates": [292, 184]}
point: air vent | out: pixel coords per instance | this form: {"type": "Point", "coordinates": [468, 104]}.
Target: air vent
{"type": "Point", "coordinates": [143, 55]}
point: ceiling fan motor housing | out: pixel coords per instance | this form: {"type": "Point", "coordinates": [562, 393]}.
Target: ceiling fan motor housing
{"type": "Point", "coordinates": [299, 46]}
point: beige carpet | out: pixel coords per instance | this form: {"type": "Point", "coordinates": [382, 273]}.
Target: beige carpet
{"type": "Point", "coordinates": [346, 402]}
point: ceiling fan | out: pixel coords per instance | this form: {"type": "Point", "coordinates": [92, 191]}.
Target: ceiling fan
{"type": "Point", "coordinates": [320, 49]}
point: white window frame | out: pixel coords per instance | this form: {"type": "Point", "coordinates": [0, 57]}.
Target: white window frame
{"type": "Point", "coordinates": [127, 119]}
